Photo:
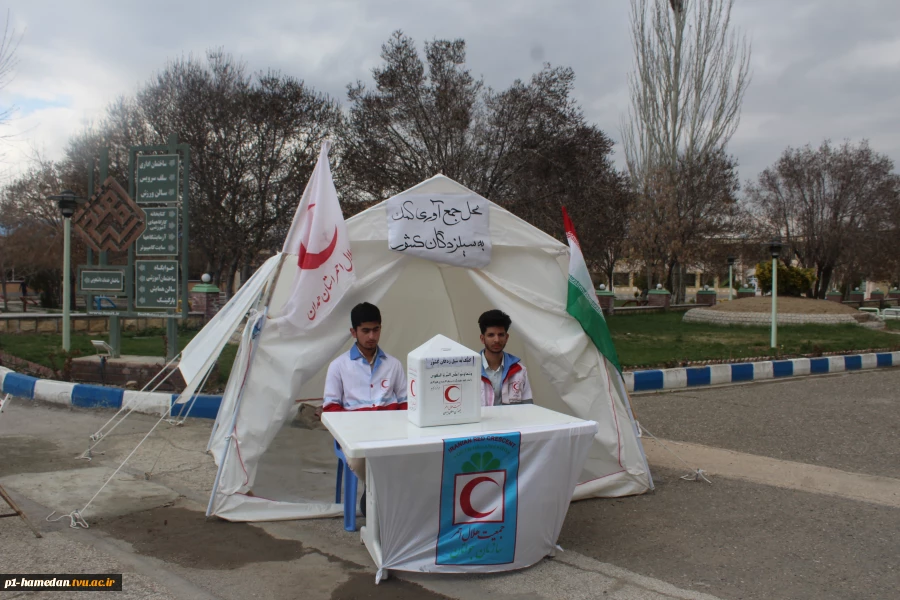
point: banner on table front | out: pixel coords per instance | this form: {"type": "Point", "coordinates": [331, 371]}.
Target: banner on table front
{"type": "Point", "coordinates": [446, 228]}
{"type": "Point", "coordinates": [479, 503]}
{"type": "Point", "coordinates": [486, 503]}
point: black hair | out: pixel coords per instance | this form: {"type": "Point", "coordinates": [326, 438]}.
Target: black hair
{"type": "Point", "coordinates": [364, 313]}
{"type": "Point", "coordinates": [494, 318]}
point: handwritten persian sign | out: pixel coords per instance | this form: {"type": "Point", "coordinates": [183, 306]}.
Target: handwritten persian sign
{"type": "Point", "coordinates": [160, 237]}
{"type": "Point", "coordinates": [102, 280]}
{"type": "Point", "coordinates": [157, 178]}
{"type": "Point", "coordinates": [445, 228]}
{"type": "Point", "coordinates": [479, 500]}
{"type": "Point", "coordinates": [156, 284]}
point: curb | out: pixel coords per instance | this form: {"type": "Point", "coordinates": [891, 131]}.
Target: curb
{"type": "Point", "coordinates": [206, 407]}
{"type": "Point", "coordinates": [684, 377]}
{"type": "Point", "coordinates": [96, 396]}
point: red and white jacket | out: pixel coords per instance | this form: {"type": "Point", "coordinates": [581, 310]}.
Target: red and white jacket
{"type": "Point", "coordinates": [514, 387]}
{"type": "Point", "coordinates": [353, 385]}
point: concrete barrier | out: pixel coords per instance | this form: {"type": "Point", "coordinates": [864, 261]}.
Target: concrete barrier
{"type": "Point", "coordinates": [684, 377]}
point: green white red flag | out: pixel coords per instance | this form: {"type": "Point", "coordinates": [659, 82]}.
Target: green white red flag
{"type": "Point", "coordinates": [582, 302]}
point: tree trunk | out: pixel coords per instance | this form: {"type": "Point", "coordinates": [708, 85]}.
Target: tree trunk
{"type": "Point", "coordinates": [3, 284]}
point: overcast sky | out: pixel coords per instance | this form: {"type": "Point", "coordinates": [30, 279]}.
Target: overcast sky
{"type": "Point", "coordinates": [821, 68]}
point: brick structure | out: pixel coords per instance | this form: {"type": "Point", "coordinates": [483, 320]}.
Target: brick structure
{"type": "Point", "coordinates": [659, 297]}
{"type": "Point", "coordinates": [877, 295]}
{"type": "Point", "coordinates": [607, 299]}
{"type": "Point", "coordinates": [746, 293]}
{"type": "Point", "coordinates": [834, 296]}
{"type": "Point", "coordinates": [119, 371]}
{"type": "Point", "coordinates": [206, 299]}
{"type": "Point", "coordinates": [706, 298]}
{"type": "Point", "coordinates": [856, 295]}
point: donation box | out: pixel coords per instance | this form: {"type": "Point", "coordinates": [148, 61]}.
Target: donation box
{"type": "Point", "coordinates": [444, 383]}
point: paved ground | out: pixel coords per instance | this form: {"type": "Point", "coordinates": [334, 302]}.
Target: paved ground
{"type": "Point", "coordinates": [754, 533]}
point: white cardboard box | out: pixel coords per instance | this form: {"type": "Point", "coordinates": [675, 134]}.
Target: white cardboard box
{"type": "Point", "coordinates": [444, 383]}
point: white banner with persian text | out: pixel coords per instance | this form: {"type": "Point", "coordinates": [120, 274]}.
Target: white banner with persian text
{"type": "Point", "coordinates": [452, 229]}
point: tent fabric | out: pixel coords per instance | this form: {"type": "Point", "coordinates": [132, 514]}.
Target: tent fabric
{"type": "Point", "coordinates": [527, 278]}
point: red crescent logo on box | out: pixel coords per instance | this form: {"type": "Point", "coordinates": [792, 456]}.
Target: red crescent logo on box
{"type": "Point", "coordinates": [412, 388]}
{"type": "Point", "coordinates": [452, 394]}
{"type": "Point", "coordinates": [465, 498]}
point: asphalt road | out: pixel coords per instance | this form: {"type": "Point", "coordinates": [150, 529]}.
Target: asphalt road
{"type": "Point", "coordinates": [734, 539]}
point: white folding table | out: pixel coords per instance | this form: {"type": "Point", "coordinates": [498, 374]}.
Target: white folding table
{"type": "Point", "coordinates": [373, 434]}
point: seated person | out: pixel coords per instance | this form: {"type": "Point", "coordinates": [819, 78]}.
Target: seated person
{"type": "Point", "coordinates": [503, 376]}
{"type": "Point", "coordinates": [364, 378]}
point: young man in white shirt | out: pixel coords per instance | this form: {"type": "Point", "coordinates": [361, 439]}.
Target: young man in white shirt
{"type": "Point", "coordinates": [365, 378]}
{"type": "Point", "coordinates": [504, 378]}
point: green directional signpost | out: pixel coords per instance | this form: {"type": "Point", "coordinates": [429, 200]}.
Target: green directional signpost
{"type": "Point", "coordinates": [156, 284]}
{"type": "Point", "coordinates": [153, 283]}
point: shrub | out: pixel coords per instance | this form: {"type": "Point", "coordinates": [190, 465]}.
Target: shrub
{"type": "Point", "coordinates": [792, 281]}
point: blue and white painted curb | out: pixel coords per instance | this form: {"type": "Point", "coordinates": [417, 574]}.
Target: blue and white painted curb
{"type": "Point", "coordinates": [96, 396]}
{"type": "Point", "coordinates": [206, 407]}
{"type": "Point", "coordinates": [671, 379]}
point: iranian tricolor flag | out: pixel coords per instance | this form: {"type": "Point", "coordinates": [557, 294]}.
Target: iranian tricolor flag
{"type": "Point", "coordinates": [582, 300]}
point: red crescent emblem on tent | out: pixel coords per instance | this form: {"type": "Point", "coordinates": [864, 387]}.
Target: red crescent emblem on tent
{"type": "Point", "coordinates": [447, 394]}
{"type": "Point", "coordinates": [465, 498]}
{"type": "Point", "coordinates": [412, 388]}
{"type": "Point", "coordinates": [314, 260]}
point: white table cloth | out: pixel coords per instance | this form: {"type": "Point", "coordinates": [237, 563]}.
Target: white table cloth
{"type": "Point", "coordinates": [476, 497]}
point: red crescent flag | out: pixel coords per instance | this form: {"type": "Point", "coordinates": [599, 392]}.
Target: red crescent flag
{"type": "Point", "coordinates": [320, 247]}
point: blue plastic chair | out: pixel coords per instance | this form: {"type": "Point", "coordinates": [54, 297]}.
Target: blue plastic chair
{"type": "Point", "coordinates": [350, 484]}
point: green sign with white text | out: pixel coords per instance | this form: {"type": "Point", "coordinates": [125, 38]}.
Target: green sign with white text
{"type": "Point", "coordinates": [102, 280]}
{"type": "Point", "coordinates": [157, 178]}
{"type": "Point", "coordinates": [156, 284]}
{"type": "Point", "coordinates": [160, 237]}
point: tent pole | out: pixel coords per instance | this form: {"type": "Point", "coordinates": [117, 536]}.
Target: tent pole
{"type": "Point", "coordinates": [237, 407]}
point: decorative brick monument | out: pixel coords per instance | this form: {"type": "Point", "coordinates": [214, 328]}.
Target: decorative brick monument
{"type": "Point", "coordinates": [834, 296]}
{"type": "Point", "coordinates": [876, 295]}
{"type": "Point", "coordinates": [856, 295]}
{"type": "Point", "coordinates": [894, 294]}
{"type": "Point", "coordinates": [606, 298]}
{"type": "Point", "coordinates": [746, 293]}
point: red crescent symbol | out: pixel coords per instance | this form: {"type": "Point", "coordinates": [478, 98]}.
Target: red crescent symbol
{"type": "Point", "coordinates": [447, 394]}
{"type": "Point", "coordinates": [383, 382]}
{"type": "Point", "coordinates": [314, 260]}
{"type": "Point", "coordinates": [412, 388]}
{"type": "Point", "coordinates": [516, 385]}
{"type": "Point", "coordinates": [465, 497]}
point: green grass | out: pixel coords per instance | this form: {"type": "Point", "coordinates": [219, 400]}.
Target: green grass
{"type": "Point", "coordinates": [663, 339]}
{"type": "Point", "coordinates": [658, 339]}
{"type": "Point", "coordinates": [46, 349]}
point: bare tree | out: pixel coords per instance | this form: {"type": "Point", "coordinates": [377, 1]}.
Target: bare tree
{"type": "Point", "coordinates": [834, 206]}
{"type": "Point", "coordinates": [691, 72]}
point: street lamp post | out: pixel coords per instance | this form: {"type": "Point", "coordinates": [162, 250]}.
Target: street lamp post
{"type": "Point", "coordinates": [775, 250]}
{"type": "Point", "coordinates": [730, 277]}
{"type": "Point", "coordinates": [67, 202]}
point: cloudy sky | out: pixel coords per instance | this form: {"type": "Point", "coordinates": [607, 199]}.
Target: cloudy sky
{"type": "Point", "coordinates": [821, 68]}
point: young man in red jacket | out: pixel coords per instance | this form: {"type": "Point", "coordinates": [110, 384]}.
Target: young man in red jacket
{"type": "Point", "coordinates": [504, 379]}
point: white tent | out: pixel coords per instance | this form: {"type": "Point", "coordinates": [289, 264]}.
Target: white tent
{"type": "Point", "coordinates": [418, 298]}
